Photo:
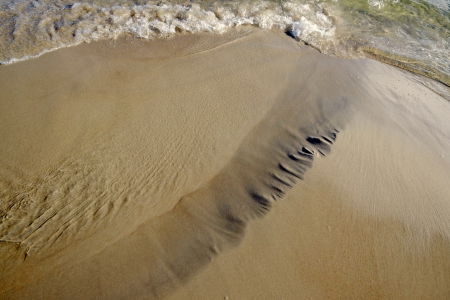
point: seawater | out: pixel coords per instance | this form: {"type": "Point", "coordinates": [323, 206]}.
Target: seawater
{"type": "Point", "coordinates": [413, 34]}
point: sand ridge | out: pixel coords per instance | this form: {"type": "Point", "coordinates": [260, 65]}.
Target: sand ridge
{"type": "Point", "coordinates": [165, 171]}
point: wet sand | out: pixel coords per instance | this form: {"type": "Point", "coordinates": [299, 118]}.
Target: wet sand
{"type": "Point", "coordinates": [205, 166]}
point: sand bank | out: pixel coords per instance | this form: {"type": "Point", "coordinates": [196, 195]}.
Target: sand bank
{"type": "Point", "coordinates": [139, 170]}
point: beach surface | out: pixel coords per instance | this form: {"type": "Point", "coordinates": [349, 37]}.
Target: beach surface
{"type": "Point", "coordinates": [237, 166]}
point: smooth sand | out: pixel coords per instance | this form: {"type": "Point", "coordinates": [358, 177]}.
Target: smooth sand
{"type": "Point", "coordinates": [181, 168]}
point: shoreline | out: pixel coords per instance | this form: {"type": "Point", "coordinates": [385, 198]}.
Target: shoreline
{"type": "Point", "coordinates": [221, 122]}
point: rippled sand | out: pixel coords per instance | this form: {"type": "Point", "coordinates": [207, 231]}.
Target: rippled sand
{"type": "Point", "coordinates": [202, 167]}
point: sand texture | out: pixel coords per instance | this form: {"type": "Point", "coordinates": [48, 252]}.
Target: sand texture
{"type": "Point", "coordinates": [236, 166]}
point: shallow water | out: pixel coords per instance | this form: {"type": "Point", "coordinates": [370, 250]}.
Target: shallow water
{"type": "Point", "coordinates": [411, 34]}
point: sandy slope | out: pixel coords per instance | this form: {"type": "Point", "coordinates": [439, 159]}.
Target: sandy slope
{"type": "Point", "coordinates": [369, 221]}
{"type": "Point", "coordinates": [347, 160]}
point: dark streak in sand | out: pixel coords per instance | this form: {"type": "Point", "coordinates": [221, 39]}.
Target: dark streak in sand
{"type": "Point", "coordinates": [173, 247]}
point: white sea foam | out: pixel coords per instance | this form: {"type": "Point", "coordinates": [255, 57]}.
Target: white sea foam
{"type": "Point", "coordinates": [418, 33]}
{"type": "Point", "coordinates": [82, 22]}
